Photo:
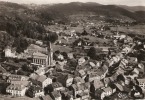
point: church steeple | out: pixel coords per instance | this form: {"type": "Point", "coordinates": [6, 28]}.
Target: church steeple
{"type": "Point", "coordinates": [50, 54]}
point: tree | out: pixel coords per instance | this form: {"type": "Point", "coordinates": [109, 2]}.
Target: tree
{"type": "Point", "coordinates": [21, 44]}
{"type": "Point", "coordinates": [84, 32]}
{"type": "Point", "coordinates": [73, 63]}
{"type": "Point", "coordinates": [92, 53]}
{"type": "Point", "coordinates": [64, 55]}
{"type": "Point", "coordinates": [120, 78]}
{"type": "Point", "coordinates": [49, 39]}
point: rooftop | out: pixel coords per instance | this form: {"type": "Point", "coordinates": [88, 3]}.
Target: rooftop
{"type": "Point", "coordinates": [41, 78]}
{"type": "Point", "coordinates": [18, 87]}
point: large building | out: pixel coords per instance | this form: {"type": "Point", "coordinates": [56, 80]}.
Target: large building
{"type": "Point", "coordinates": [40, 59]}
{"type": "Point", "coordinates": [16, 90]}
{"type": "Point", "coordinates": [43, 59]}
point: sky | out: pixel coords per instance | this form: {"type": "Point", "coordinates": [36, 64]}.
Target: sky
{"type": "Point", "coordinates": [118, 2]}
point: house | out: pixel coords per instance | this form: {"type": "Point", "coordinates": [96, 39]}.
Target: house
{"type": "Point", "coordinates": [107, 81]}
{"type": "Point", "coordinates": [128, 39]}
{"type": "Point", "coordinates": [142, 83]}
{"type": "Point", "coordinates": [119, 86]}
{"type": "Point", "coordinates": [126, 50]}
{"type": "Point", "coordinates": [33, 76]}
{"type": "Point", "coordinates": [79, 89]}
{"type": "Point", "coordinates": [80, 73]}
{"type": "Point", "coordinates": [40, 71]}
{"type": "Point", "coordinates": [43, 81]}
{"type": "Point", "coordinates": [102, 71]}
{"type": "Point", "coordinates": [122, 87]}
{"type": "Point", "coordinates": [65, 79]}
{"type": "Point", "coordinates": [96, 84]}
{"type": "Point", "coordinates": [93, 76]}
{"type": "Point", "coordinates": [132, 60]}
{"type": "Point", "coordinates": [107, 91]}
{"type": "Point", "coordinates": [102, 93]}
{"type": "Point", "coordinates": [67, 95]}
{"type": "Point", "coordinates": [56, 86]}
{"type": "Point", "coordinates": [81, 61]}
{"type": "Point", "coordinates": [141, 69]}
{"type": "Point", "coordinates": [84, 96]}
{"type": "Point", "coordinates": [70, 55]}
{"type": "Point", "coordinates": [13, 77]}
{"type": "Point", "coordinates": [114, 77]}
{"type": "Point", "coordinates": [123, 63]}
{"type": "Point", "coordinates": [9, 52]}
{"type": "Point", "coordinates": [56, 95]}
{"type": "Point", "coordinates": [78, 80]}
{"type": "Point", "coordinates": [16, 90]}
{"type": "Point", "coordinates": [35, 91]}
{"type": "Point", "coordinates": [98, 94]}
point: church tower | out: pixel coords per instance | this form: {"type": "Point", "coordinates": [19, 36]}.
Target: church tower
{"type": "Point", "coordinates": [50, 54]}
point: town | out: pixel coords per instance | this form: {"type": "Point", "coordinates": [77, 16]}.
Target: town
{"type": "Point", "coordinates": [93, 60]}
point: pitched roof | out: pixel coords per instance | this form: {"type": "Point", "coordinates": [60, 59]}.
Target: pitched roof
{"type": "Point", "coordinates": [25, 83]}
{"type": "Point", "coordinates": [39, 55]}
{"type": "Point", "coordinates": [36, 47]}
{"type": "Point", "coordinates": [98, 84]}
{"type": "Point", "coordinates": [17, 77]}
{"type": "Point", "coordinates": [78, 79]}
{"type": "Point", "coordinates": [47, 97]}
{"type": "Point", "coordinates": [107, 80]}
{"type": "Point", "coordinates": [56, 85]}
{"type": "Point", "coordinates": [107, 89]}
{"type": "Point", "coordinates": [55, 94]}
{"type": "Point", "coordinates": [41, 78]}
{"type": "Point", "coordinates": [119, 86]}
{"type": "Point", "coordinates": [18, 87]}
{"type": "Point", "coordinates": [141, 80]}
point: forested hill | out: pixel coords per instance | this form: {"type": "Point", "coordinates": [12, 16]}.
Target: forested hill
{"type": "Point", "coordinates": [30, 20]}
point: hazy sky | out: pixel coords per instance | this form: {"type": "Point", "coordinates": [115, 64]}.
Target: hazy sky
{"type": "Point", "coordinates": [118, 2]}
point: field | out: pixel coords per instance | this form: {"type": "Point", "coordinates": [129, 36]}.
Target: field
{"type": "Point", "coordinates": [136, 29]}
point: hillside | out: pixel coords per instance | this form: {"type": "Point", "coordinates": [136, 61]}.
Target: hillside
{"type": "Point", "coordinates": [133, 8]}
{"type": "Point", "coordinates": [76, 8]}
{"type": "Point", "coordinates": [29, 21]}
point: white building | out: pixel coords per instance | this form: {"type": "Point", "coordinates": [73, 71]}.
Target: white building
{"type": "Point", "coordinates": [16, 90]}
{"type": "Point", "coordinates": [142, 83]}
{"type": "Point", "coordinates": [9, 53]}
